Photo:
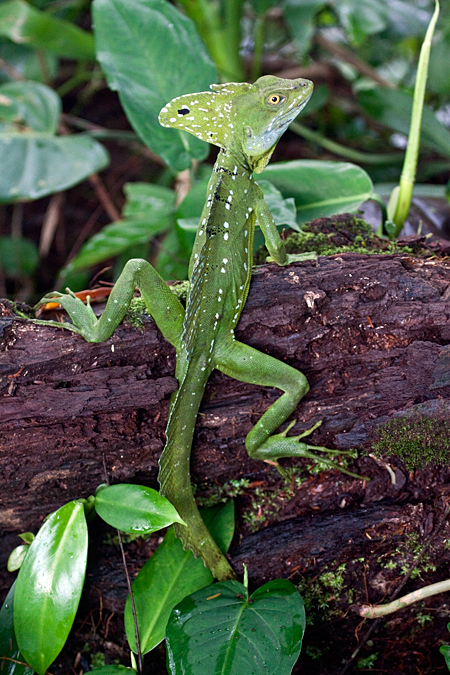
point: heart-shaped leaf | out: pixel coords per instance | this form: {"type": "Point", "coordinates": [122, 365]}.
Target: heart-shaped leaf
{"type": "Point", "coordinates": [220, 629]}
{"type": "Point", "coordinates": [150, 53]}
{"type": "Point", "coordinates": [320, 188]}
{"type": "Point", "coordinates": [169, 576]}
{"type": "Point", "coordinates": [36, 162]}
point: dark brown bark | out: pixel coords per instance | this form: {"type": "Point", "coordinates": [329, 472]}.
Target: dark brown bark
{"type": "Point", "coordinates": [368, 332]}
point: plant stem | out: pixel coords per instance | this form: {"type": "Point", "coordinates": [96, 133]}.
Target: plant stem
{"type": "Point", "coordinates": [258, 49]}
{"type": "Point", "coordinates": [373, 612]}
{"type": "Point", "coordinates": [221, 34]}
{"type": "Point", "coordinates": [403, 201]}
{"type": "Point", "coordinates": [342, 150]}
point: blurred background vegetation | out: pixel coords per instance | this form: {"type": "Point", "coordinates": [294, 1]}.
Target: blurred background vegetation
{"type": "Point", "coordinates": [89, 179]}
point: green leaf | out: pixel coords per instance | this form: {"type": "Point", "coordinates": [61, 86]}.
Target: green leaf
{"type": "Point", "coordinates": [148, 212]}
{"type": "Point", "coordinates": [362, 17]}
{"type": "Point", "coordinates": [28, 106]}
{"type": "Point", "coordinates": [145, 198]}
{"type": "Point", "coordinates": [16, 558]}
{"type": "Point", "coordinates": [49, 585]}
{"type": "Point", "coordinates": [35, 162]}
{"type": "Point", "coordinates": [172, 261]}
{"type": "Point", "coordinates": [39, 165]}
{"type": "Point", "coordinates": [22, 23]}
{"type": "Point", "coordinates": [220, 630]}
{"type": "Point", "coordinates": [445, 651]}
{"type": "Point", "coordinates": [117, 237]}
{"type": "Point", "coordinates": [282, 210]}
{"type": "Point", "coordinates": [151, 53]}
{"type": "Point", "coordinates": [393, 109]}
{"type": "Point", "coordinates": [18, 257]}
{"type": "Point", "coordinates": [8, 643]}
{"type": "Point", "coordinates": [168, 576]}
{"type": "Point", "coordinates": [27, 537]}
{"type": "Point", "coordinates": [135, 508]}
{"type": "Point", "coordinates": [42, 66]}
{"type": "Point", "coordinates": [320, 188]}
{"type": "Point", "coordinates": [300, 18]}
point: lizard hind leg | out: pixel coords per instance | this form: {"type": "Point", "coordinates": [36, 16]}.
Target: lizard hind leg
{"type": "Point", "coordinates": [246, 364]}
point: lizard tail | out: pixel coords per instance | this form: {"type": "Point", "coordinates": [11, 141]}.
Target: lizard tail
{"type": "Point", "coordinates": [174, 474]}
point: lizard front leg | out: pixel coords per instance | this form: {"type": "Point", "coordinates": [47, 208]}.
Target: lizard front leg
{"type": "Point", "coordinates": [274, 243]}
{"type": "Point", "coordinates": [162, 305]}
{"type": "Point", "coordinates": [247, 364]}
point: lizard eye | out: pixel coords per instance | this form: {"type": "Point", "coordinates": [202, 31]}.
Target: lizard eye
{"type": "Point", "coordinates": [275, 99]}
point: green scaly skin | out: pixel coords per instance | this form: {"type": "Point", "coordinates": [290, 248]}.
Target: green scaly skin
{"type": "Point", "coordinates": [245, 121]}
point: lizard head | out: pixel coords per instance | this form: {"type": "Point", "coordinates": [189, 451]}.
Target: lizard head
{"type": "Point", "coordinates": [247, 119]}
{"type": "Point", "coordinates": [276, 104]}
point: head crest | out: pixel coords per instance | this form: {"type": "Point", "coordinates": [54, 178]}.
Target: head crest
{"type": "Point", "coordinates": [208, 115]}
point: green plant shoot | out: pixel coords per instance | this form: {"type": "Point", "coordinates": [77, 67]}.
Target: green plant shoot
{"type": "Point", "coordinates": [400, 199]}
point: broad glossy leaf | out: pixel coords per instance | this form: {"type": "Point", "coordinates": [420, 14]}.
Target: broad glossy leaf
{"type": "Point", "coordinates": [445, 651]}
{"type": "Point", "coordinates": [393, 109]}
{"type": "Point", "coordinates": [28, 106]}
{"type": "Point", "coordinates": [135, 508]}
{"type": "Point", "coordinates": [362, 17]}
{"type": "Point", "coordinates": [220, 630]}
{"type": "Point", "coordinates": [300, 18]}
{"type": "Point", "coordinates": [22, 23]}
{"type": "Point", "coordinates": [282, 210]}
{"type": "Point", "coordinates": [49, 585]}
{"type": "Point", "coordinates": [39, 165]}
{"type": "Point", "coordinates": [18, 257]}
{"type": "Point", "coordinates": [320, 188]}
{"type": "Point", "coordinates": [35, 161]}
{"type": "Point", "coordinates": [118, 237]}
{"type": "Point", "coordinates": [169, 575]}
{"type": "Point", "coordinates": [172, 260]}
{"type": "Point", "coordinates": [150, 53]}
{"type": "Point", "coordinates": [148, 212]}
{"type": "Point", "coordinates": [145, 198]}
{"type": "Point", "coordinates": [8, 643]}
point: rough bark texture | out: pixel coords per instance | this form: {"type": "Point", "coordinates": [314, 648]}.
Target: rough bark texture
{"type": "Point", "coordinates": [368, 332]}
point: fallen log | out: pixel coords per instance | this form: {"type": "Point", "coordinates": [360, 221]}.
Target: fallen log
{"type": "Point", "coordinates": [369, 332]}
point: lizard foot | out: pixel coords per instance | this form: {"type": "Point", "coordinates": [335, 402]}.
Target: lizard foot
{"type": "Point", "coordinates": [82, 315]}
{"type": "Point", "coordinates": [281, 445]}
{"type": "Point", "coordinates": [294, 257]}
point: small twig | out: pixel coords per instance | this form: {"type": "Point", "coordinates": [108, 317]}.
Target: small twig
{"type": "Point", "coordinates": [377, 621]}
{"type": "Point", "coordinates": [130, 591]}
{"type": "Point", "coordinates": [349, 57]}
{"type": "Point", "coordinates": [17, 220]}
{"type": "Point", "coordinates": [133, 608]}
{"type": "Point", "coordinates": [183, 185]}
{"type": "Point", "coordinates": [20, 663]}
{"type": "Point", "coordinates": [104, 197]}
{"type": "Point", "coordinates": [87, 227]}
{"type": "Point", "coordinates": [50, 223]}
{"type": "Point", "coordinates": [373, 612]}
{"type": "Point", "coordinates": [12, 72]}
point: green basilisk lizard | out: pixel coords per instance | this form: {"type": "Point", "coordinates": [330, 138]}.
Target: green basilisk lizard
{"type": "Point", "coordinates": [246, 122]}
